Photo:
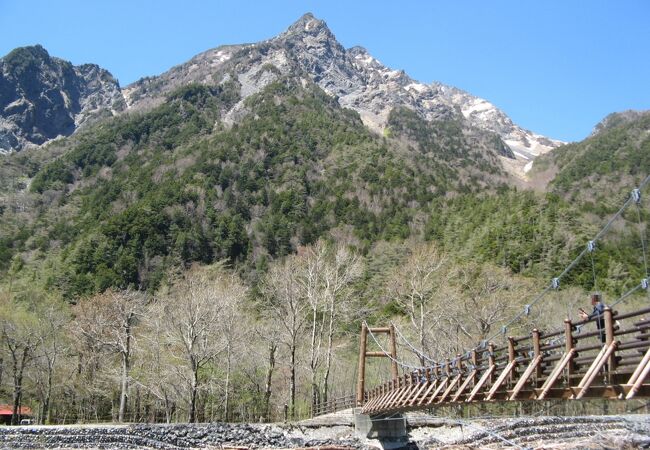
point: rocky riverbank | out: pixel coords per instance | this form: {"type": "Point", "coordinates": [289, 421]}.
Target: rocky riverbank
{"type": "Point", "coordinates": [587, 432]}
{"type": "Point", "coordinates": [176, 436]}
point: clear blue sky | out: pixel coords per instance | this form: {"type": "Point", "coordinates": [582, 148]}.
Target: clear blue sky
{"type": "Point", "coordinates": [556, 67]}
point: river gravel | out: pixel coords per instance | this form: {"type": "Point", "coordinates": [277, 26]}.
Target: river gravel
{"type": "Point", "coordinates": [588, 432]}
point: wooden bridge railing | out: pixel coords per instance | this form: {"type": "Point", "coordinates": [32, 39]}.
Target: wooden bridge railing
{"type": "Point", "coordinates": [334, 405]}
{"type": "Point", "coordinates": [571, 363]}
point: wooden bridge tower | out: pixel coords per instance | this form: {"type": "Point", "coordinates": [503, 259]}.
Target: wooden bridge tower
{"type": "Point", "coordinates": [364, 353]}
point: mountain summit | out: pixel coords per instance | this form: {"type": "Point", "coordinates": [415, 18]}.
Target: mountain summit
{"type": "Point", "coordinates": [307, 50]}
{"type": "Point", "coordinates": [359, 81]}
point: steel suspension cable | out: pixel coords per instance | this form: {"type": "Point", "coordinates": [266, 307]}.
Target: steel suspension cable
{"type": "Point", "coordinates": [587, 249]}
{"type": "Point", "coordinates": [627, 294]}
{"type": "Point", "coordinates": [642, 233]}
{"type": "Point", "coordinates": [412, 347]}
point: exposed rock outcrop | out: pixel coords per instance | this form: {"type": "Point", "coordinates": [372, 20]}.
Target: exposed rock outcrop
{"type": "Point", "coordinates": [42, 97]}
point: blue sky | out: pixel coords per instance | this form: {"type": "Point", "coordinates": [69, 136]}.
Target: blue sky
{"type": "Point", "coordinates": [556, 67]}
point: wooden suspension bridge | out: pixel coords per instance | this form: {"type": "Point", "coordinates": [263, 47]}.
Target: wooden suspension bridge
{"type": "Point", "coordinates": [564, 364]}
{"type": "Point", "coordinates": [611, 361]}
{"type": "Point", "coordinates": [605, 356]}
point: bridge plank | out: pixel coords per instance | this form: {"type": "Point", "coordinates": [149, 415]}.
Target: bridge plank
{"type": "Point", "coordinates": [595, 362]}
{"type": "Point", "coordinates": [454, 382]}
{"type": "Point", "coordinates": [486, 376]}
{"type": "Point", "coordinates": [639, 368]}
{"type": "Point", "coordinates": [424, 397]}
{"type": "Point", "coordinates": [407, 393]}
{"type": "Point", "coordinates": [368, 406]}
{"type": "Point", "coordinates": [462, 388]}
{"type": "Point", "coordinates": [389, 400]}
{"type": "Point", "coordinates": [376, 403]}
{"type": "Point", "coordinates": [637, 379]}
{"type": "Point", "coordinates": [500, 380]}
{"type": "Point", "coordinates": [525, 376]}
{"type": "Point", "coordinates": [384, 396]}
{"type": "Point", "coordinates": [557, 371]}
{"type": "Point", "coordinates": [419, 392]}
{"type": "Point", "coordinates": [437, 391]}
{"type": "Point", "coordinates": [598, 364]}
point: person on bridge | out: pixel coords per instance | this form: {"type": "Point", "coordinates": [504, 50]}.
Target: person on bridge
{"type": "Point", "coordinates": [598, 314]}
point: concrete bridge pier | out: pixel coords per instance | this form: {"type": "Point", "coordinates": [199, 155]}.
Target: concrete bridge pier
{"type": "Point", "coordinates": [384, 427]}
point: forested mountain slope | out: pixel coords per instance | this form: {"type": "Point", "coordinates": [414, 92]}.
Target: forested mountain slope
{"type": "Point", "coordinates": [176, 184]}
{"type": "Point", "coordinates": [615, 157]}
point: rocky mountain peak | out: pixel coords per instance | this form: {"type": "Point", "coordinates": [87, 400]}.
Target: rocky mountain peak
{"type": "Point", "coordinates": [43, 97]}
{"type": "Point", "coordinates": [310, 36]}
{"type": "Point", "coordinates": [359, 81]}
{"type": "Point", "coordinates": [23, 60]}
{"type": "Point", "coordinates": [308, 25]}
{"type": "Point", "coordinates": [354, 77]}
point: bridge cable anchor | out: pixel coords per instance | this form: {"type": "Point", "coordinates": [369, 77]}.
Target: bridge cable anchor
{"type": "Point", "coordinates": [591, 246]}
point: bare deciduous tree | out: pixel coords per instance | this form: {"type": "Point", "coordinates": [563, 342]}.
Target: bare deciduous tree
{"type": "Point", "coordinates": [419, 286]}
{"type": "Point", "coordinates": [52, 318]}
{"type": "Point", "coordinates": [343, 267]}
{"type": "Point", "coordinates": [107, 321]}
{"type": "Point", "coordinates": [199, 310]}
{"type": "Point", "coordinates": [487, 296]}
{"type": "Point", "coordinates": [286, 307]}
{"type": "Point", "coordinates": [18, 329]}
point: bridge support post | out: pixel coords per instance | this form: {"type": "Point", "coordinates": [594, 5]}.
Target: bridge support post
{"type": "Point", "coordinates": [361, 380]}
{"type": "Point", "coordinates": [609, 338]}
{"type": "Point", "coordinates": [364, 353]}
{"type": "Point", "coordinates": [568, 348]}
{"type": "Point", "coordinates": [393, 352]}
{"type": "Point", "coordinates": [538, 354]}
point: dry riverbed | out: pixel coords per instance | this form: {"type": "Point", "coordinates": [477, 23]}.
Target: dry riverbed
{"type": "Point", "coordinates": [597, 432]}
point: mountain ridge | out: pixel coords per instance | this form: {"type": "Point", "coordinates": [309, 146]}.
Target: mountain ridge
{"type": "Point", "coordinates": [307, 48]}
{"type": "Point", "coordinates": [357, 79]}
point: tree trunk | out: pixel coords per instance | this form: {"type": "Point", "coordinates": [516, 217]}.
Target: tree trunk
{"type": "Point", "coordinates": [125, 375]}
{"type": "Point", "coordinates": [328, 359]}
{"type": "Point", "coordinates": [422, 362]}
{"type": "Point", "coordinates": [15, 413]}
{"type": "Point", "coordinates": [269, 376]}
{"type": "Point", "coordinates": [168, 409]}
{"type": "Point", "coordinates": [313, 363]}
{"type": "Point", "coordinates": [292, 379]}
{"type": "Point", "coordinates": [194, 388]}
{"type": "Point", "coordinates": [226, 406]}
{"type": "Point", "coordinates": [45, 417]}
{"type": "Point", "coordinates": [18, 386]}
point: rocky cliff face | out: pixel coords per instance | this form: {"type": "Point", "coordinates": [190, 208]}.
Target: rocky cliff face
{"type": "Point", "coordinates": [359, 81]}
{"type": "Point", "coordinates": [42, 97]}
